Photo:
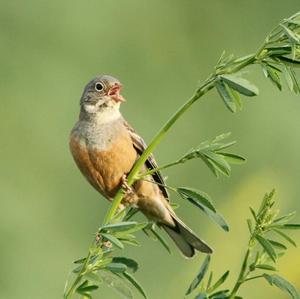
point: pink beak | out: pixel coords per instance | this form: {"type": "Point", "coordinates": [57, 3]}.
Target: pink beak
{"type": "Point", "coordinates": [114, 93]}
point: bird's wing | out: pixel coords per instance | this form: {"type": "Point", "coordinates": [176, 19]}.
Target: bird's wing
{"type": "Point", "coordinates": [140, 145]}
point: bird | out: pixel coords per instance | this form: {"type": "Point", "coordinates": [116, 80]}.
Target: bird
{"type": "Point", "coordinates": [105, 148]}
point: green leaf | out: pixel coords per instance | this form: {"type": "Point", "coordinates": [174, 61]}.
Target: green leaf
{"type": "Point", "coordinates": [278, 245]}
{"type": "Point", "coordinates": [201, 296]}
{"type": "Point", "coordinates": [237, 99]}
{"type": "Point", "coordinates": [219, 282]}
{"type": "Point", "coordinates": [113, 240]}
{"type": "Point", "coordinates": [253, 214]}
{"type": "Point", "coordinates": [291, 80]}
{"type": "Point", "coordinates": [117, 284]}
{"type": "Point", "coordinates": [272, 74]}
{"type": "Point", "coordinates": [137, 227]}
{"type": "Point", "coordinates": [209, 280]}
{"type": "Point", "coordinates": [80, 261]}
{"type": "Point", "coordinates": [286, 237]}
{"type": "Point", "coordinates": [85, 289]}
{"type": "Point", "coordinates": [222, 294]}
{"type": "Point", "coordinates": [130, 241]}
{"type": "Point", "coordinates": [130, 263]}
{"type": "Point", "coordinates": [121, 226]}
{"type": "Point", "coordinates": [294, 38]}
{"type": "Point", "coordinates": [282, 284]}
{"type": "Point", "coordinates": [218, 162]}
{"type": "Point", "coordinates": [161, 240]}
{"type": "Point", "coordinates": [226, 95]}
{"type": "Point", "coordinates": [198, 198]}
{"type": "Point", "coordinates": [265, 267]}
{"type": "Point", "coordinates": [116, 267]}
{"type": "Point", "coordinates": [134, 282]}
{"type": "Point", "coordinates": [191, 195]}
{"type": "Point", "coordinates": [284, 218]}
{"type": "Point", "coordinates": [290, 226]}
{"type": "Point", "coordinates": [200, 275]}
{"type": "Point", "coordinates": [232, 158]}
{"type": "Point", "coordinates": [249, 223]}
{"type": "Point", "coordinates": [241, 85]}
{"type": "Point", "coordinates": [267, 246]}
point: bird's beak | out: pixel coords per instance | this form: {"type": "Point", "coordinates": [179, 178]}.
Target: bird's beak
{"type": "Point", "coordinates": [114, 93]}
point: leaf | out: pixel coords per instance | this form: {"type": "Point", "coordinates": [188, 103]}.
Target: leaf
{"type": "Point", "coordinates": [191, 195]}
{"type": "Point", "coordinates": [278, 245]}
{"type": "Point", "coordinates": [209, 280]}
{"type": "Point", "coordinates": [249, 223]}
{"type": "Point", "coordinates": [85, 289]}
{"type": "Point", "coordinates": [291, 80]}
{"type": "Point", "coordinates": [220, 294]}
{"type": "Point", "coordinates": [121, 226]}
{"type": "Point", "coordinates": [130, 263]}
{"type": "Point", "coordinates": [232, 158]}
{"type": "Point", "coordinates": [267, 246]}
{"type": "Point", "coordinates": [133, 281]}
{"type": "Point", "coordinates": [200, 275]}
{"type": "Point", "coordinates": [285, 218]}
{"type": "Point", "coordinates": [237, 99]}
{"type": "Point", "coordinates": [282, 284]}
{"type": "Point", "coordinates": [290, 34]}
{"type": "Point", "coordinates": [113, 240]}
{"type": "Point", "coordinates": [265, 267]}
{"type": "Point", "coordinates": [116, 267]}
{"type": "Point", "coordinates": [117, 284]}
{"type": "Point", "coordinates": [272, 74]}
{"type": "Point", "coordinates": [161, 240]}
{"type": "Point", "coordinates": [218, 162]}
{"type": "Point", "coordinates": [253, 214]}
{"type": "Point", "coordinates": [198, 198]}
{"type": "Point", "coordinates": [286, 237]}
{"type": "Point", "coordinates": [201, 296]}
{"type": "Point", "coordinates": [137, 227]}
{"type": "Point", "coordinates": [241, 85]}
{"type": "Point", "coordinates": [290, 226]}
{"type": "Point", "coordinates": [226, 95]}
{"type": "Point", "coordinates": [220, 281]}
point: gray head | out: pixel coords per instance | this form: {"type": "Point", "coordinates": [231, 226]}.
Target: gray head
{"type": "Point", "coordinates": [102, 94]}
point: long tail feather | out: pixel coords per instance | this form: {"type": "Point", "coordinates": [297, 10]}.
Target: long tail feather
{"type": "Point", "coordinates": [185, 239]}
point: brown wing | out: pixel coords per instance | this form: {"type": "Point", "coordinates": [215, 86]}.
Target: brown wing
{"type": "Point", "coordinates": [140, 145]}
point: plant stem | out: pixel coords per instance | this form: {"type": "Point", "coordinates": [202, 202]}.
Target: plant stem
{"type": "Point", "coordinates": [254, 277]}
{"type": "Point", "coordinates": [241, 279]}
{"type": "Point", "coordinates": [71, 290]}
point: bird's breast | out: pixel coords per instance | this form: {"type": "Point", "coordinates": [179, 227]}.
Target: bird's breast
{"type": "Point", "coordinates": [103, 155]}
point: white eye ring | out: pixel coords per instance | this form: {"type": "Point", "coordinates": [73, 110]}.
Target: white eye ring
{"type": "Point", "coordinates": [99, 86]}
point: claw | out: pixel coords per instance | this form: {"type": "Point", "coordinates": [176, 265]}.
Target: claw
{"type": "Point", "coordinates": [128, 190]}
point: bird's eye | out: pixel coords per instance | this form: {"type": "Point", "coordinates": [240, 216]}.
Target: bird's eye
{"type": "Point", "coordinates": [98, 86]}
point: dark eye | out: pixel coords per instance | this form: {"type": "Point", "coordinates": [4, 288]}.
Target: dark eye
{"type": "Point", "coordinates": [98, 86]}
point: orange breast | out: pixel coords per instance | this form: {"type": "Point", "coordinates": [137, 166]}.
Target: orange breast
{"type": "Point", "coordinates": [104, 169]}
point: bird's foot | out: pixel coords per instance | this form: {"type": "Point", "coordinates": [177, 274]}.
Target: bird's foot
{"type": "Point", "coordinates": [130, 197]}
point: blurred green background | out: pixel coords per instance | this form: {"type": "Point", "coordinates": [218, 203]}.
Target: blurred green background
{"type": "Point", "coordinates": [160, 50]}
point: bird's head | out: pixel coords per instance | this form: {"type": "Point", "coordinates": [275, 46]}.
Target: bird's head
{"type": "Point", "coordinates": [102, 94]}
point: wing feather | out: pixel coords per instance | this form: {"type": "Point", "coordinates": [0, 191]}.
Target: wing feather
{"type": "Point", "coordinates": [140, 145]}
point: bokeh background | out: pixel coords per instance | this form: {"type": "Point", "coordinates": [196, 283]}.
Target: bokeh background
{"type": "Point", "coordinates": [160, 50]}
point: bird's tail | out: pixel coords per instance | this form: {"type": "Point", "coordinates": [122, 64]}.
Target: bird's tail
{"type": "Point", "coordinates": [185, 239]}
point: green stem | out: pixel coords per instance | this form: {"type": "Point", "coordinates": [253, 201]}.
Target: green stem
{"type": "Point", "coordinates": [71, 290]}
{"type": "Point", "coordinates": [241, 279]}
{"type": "Point", "coordinates": [254, 277]}
{"type": "Point", "coordinates": [151, 171]}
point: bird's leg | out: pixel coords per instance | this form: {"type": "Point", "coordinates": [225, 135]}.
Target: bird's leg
{"type": "Point", "coordinates": [130, 197]}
